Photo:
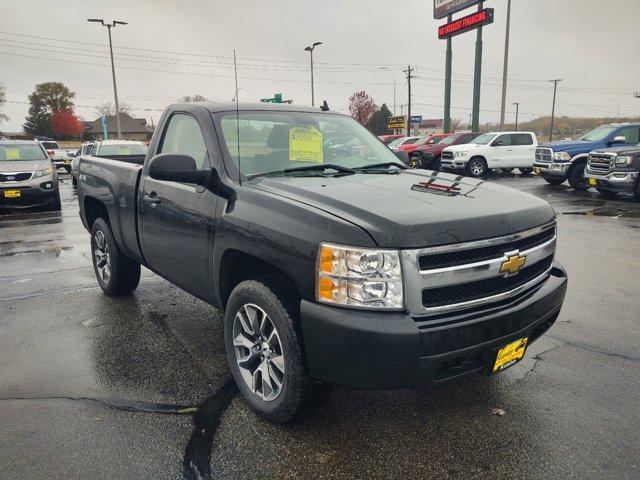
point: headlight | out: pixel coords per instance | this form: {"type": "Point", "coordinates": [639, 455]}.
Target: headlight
{"type": "Point", "coordinates": [359, 277]}
{"type": "Point", "coordinates": [460, 154]}
{"type": "Point", "coordinates": [562, 156]}
{"type": "Point", "coordinates": [43, 172]}
{"type": "Point", "coordinates": [623, 161]}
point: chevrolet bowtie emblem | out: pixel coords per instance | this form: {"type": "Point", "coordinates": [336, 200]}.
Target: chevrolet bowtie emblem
{"type": "Point", "coordinates": [513, 263]}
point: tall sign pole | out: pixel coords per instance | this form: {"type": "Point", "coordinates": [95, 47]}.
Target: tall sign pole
{"type": "Point", "coordinates": [447, 84]}
{"type": "Point", "coordinates": [477, 78]}
{"type": "Point", "coordinates": [553, 108]}
{"type": "Point", "coordinates": [505, 66]}
{"type": "Point", "coordinates": [409, 77]}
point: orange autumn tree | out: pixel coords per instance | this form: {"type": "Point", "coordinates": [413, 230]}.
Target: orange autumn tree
{"type": "Point", "coordinates": [65, 124]}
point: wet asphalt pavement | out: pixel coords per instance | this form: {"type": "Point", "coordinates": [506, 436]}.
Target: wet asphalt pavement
{"type": "Point", "coordinates": [135, 387]}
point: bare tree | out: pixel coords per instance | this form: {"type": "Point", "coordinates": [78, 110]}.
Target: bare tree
{"type": "Point", "coordinates": [108, 109]}
{"type": "Point", "coordinates": [455, 123]}
{"type": "Point", "coordinates": [194, 98]}
{"type": "Point", "coordinates": [2, 101]}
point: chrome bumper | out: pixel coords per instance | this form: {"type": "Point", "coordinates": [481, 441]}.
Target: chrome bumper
{"type": "Point", "coordinates": [552, 169]}
{"type": "Point", "coordinates": [617, 178]}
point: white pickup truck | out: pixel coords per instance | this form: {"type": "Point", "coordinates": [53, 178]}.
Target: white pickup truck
{"type": "Point", "coordinates": [60, 157]}
{"type": "Point", "coordinates": [497, 150]}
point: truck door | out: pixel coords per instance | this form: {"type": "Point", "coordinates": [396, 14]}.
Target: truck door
{"type": "Point", "coordinates": [177, 219]}
{"type": "Point", "coordinates": [524, 149]}
{"type": "Point", "coordinates": [502, 155]}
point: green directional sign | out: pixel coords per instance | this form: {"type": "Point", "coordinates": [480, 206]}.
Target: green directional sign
{"type": "Point", "coordinates": [277, 98]}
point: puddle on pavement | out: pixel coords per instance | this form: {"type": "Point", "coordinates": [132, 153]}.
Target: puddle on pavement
{"type": "Point", "coordinates": [610, 212]}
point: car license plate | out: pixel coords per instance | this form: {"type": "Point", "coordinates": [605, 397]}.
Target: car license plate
{"type": "Point", "coordinates": [536, 169]}
{"type": "Point", "coordinates": [12, 194]}
{"type": "Point", "coordinates": [593, 182]}
{"type": "Point", "coordinates": [510, 354]}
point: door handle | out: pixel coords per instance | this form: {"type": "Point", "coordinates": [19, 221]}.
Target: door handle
{"type": "Point", "coordinates": [152, 199]}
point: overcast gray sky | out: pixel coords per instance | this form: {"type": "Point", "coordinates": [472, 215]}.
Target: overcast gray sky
{"type": "Point", "coordinates": [171, 49]}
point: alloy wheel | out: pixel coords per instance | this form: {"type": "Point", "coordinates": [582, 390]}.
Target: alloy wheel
{"type": "Point", "coordinates": [258, 352]}
{"type": "Point", "coordinates": [101, 256]}
{"type": "Point", "coordinates": [476, 168]}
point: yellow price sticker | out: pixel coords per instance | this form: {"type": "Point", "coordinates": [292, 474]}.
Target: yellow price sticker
{"type": "Point", "coordinates": [124, 150]}
{"type": "Point", "coordinates": [13, 154]}
{"type": "Point", "coordinates": [305, 145]}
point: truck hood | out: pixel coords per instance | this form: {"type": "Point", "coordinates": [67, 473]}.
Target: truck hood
{"type": "Point", "coordinates": [627, 149]}
{"type": "Point", "coordinates": [417, 208]}
{"type": "Point", "coordinates": [24, 165]}
{"type": "Point", "coordinates": [575, 146]}
{"type": "Point", "coordinates": [463, 147]}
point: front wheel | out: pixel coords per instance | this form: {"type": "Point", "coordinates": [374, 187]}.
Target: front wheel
{"type": "Point", "coordinates": [55, 204]}
{"type": "Point", "coordinates": [264, 349]}
{"type": "Point", "coordinates": [554, 181]}
{"type": "Point", "coordinates": [116, 274]}
{"type": "Point", "coordinates": [526, 171]}
{"type": "Point", "coordinates": [576, 177]}
{"type": "Point", "coordinates": [636, 189]}
{"type": "Point", "coordinates": [477, 167]}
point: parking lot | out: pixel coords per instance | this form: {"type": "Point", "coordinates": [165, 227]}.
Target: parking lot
{"type": "Point", "coordinates": [139, 387]}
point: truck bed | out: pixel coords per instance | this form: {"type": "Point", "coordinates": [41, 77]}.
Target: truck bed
{"type": "Point", "coordinates": [114, 183]}
{"type": "Point", "coordinates": [135, 159]}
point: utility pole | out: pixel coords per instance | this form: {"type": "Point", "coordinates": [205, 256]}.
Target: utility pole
{"type": "Point", "coordinates": [408, 71]}
{"type": "Point", "coordinates": [447, 83]}
{"type": "Point", "coordinates": [505, 66]}
{"type": "Point", "coordinates": [517, 104]}
{"type": "Point", "coordinates": [113, 68]}
{"type": "Point", "coordinates": [477, 77]}
{"type": "Point", "coordinates": [310, 49]}
{"type": "Point", "coordinates": [553, 108]}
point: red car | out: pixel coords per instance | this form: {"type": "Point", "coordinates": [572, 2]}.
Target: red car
{"type": "Point", "coordinates": [386, 139]}
{"type": "Point", "coordinates": [428, 156]}
{"type": "Point", "coordinates": [423, 142]}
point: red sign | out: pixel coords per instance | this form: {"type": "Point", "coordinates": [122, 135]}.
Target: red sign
{"type": "Point", "coordinates": [464, 24]}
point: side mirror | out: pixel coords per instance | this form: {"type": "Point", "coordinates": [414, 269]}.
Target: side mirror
{"type": "Point", "coordinates": [404, 156]}
{"type": "Point", "coordinates": [619, 139]}
{"type": "Point", "coordinates": [498, 143]}
{"type": "Point", "coordinates": [176, 167]}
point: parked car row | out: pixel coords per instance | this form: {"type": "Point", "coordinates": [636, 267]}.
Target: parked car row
{"type": "Point", "coordinates": [607, 158]}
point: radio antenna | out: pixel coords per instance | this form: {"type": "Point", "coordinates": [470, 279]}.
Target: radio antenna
{"type": "Point", "coordinates": [235, 74]}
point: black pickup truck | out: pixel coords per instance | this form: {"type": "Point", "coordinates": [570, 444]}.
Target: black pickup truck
{"type": "Point", "coordinates": [615, 170]}
{"type": "Point", "coordinates": [333, 265]}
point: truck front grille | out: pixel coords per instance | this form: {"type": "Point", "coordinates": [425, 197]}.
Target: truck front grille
{"type": "Point", "coordinates": [447, 156]}
{"type": "Point", "coordinates": [457, 277]}
{"type": "Point", "coordinates": [600, 163]}
{"type": "Point", "coordinates": [462, 257]}
{"type": "Point", "coordinates": [15, 177]}
{"type": "Point", "coordinates": [544, 154]}
{"type": "Point", "coordinates": [467, 292]}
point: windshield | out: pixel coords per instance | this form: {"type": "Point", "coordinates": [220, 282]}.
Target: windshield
{"type": "Point", "coordinates": [597, 134]}
{"type": "Point", "coordinates": [410, 141]}
{"type": "Point", "coordinates": [275, 141]}
{"type": "Point", "coordinates": [395, 142]}
{"type": "Point", "coordinates": [484, 139]}
{"type": "Point", "coordinates": [123, 149]}
{"type": "Point", "coordinates": [449, 140]}
{"type": "Point", "coordinates": [50, 145]}
{"type": "Point", "coordinates": [11, 153]}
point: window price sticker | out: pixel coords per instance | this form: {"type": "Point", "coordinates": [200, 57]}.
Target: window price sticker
{"type": "Point", "coordinates": [305, 145]}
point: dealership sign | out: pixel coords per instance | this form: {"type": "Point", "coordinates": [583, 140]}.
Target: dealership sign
{"type": "Point", "coordinates": [442, 8]}
{"type": "Point", "coordinates": [397, 122]}
{"type": "Point", "coordinates": [464, 24]}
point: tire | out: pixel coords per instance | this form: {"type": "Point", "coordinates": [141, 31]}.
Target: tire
{"type": "Point", "coordinates": [576, 177]}
{"type": "Point", "coordinates": [554, 181]}
{"type": "Point", "coordinates": [507, 170]}
{"type": "Point", "coordinates": [116, 274]}
{"type": "Point", "coordinates": [74, 181]}
{"type": "Point", "coordinates": [251, 300]}
{"type": "Point", "coordinates": [606, 193]}
{"type": "Point", "coordinates": [437, 167]}
{"type": "Point", "coordinates": [526, 171]}
{"type": "Point", "coordinates": [55, 204]}
{"type": "Point", "coordinates": [477, 167]}
{"type": "Point", "coordinates": [636, 190]}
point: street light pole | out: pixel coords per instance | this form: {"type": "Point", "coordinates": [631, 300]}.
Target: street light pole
{"type": "Point", "coordinates": [113, 68]}
{"type": "Point", "coordinates": [517, 104]}
{"type": "Point", "coordinates": [505, 67]}
{"type": "Point", "coordinates": [310, 49]}
{"type": "Point", "coordinates": [394, 87]}
{"type": "Point", "coordinates": [553, 108]}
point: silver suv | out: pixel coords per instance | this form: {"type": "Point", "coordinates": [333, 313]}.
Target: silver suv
{"type": "Point", "coordinates": [27, 176]}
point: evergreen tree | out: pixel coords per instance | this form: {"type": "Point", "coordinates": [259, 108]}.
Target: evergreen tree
{"type": "Point", "coordinates": [47, 98]}
{"type": "Point", "coordinates": [378, 124]}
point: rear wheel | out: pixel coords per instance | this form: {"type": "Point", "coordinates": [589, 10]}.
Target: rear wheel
{"type": "Point", "coordinates": [606, 193]}
{"type": "Point", "coordinates": [116, 274]}
{"type": "Point", "coordinates": [554, 181]}
{"type": "Point", "coordinates": [264, 349]}
{"type": "Point", "coordinates": [576, 177]}
{"type": "Point", "coordinates": [477, 167]}
{"type": "Point", "coordinates": [526, 171]}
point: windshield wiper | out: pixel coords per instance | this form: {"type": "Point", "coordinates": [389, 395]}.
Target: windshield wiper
{"type": "Point", "coordinates": [308, 168]}
{"type": "Point", "coordinates": [383, 166]}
